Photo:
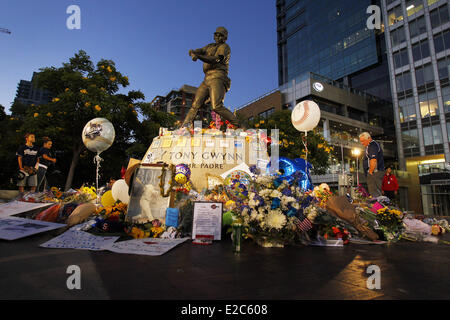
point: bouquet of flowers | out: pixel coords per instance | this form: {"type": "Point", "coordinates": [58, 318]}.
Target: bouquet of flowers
{"type": "Point", "coordinates": [387, 220]}
{"type": "Point", "coordinates": [335, 232]}
{"type": "Point", "coordinates": [110, 219]}
{"type": "Point", "coordinates": [273, 213]}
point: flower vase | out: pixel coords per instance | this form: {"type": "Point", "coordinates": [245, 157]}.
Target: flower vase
{"type": "Point", "coordinates": [266, 243]}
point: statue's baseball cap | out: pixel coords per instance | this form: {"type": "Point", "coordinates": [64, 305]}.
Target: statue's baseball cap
{"type": "Point", "coordinates": [222, 31]}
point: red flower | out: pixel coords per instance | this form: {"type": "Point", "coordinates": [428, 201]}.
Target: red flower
{"type": "Point", "coordinates": [335, 230]}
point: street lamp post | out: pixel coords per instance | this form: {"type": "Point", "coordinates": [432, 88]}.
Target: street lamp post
{"type": "Point", "coordinates": [356, 152]}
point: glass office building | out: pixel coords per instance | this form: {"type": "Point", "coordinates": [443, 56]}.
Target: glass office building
{"type": "Point", "coordinates": [327, 37]}
{"type": "Point", "coordinates": [418, 45]}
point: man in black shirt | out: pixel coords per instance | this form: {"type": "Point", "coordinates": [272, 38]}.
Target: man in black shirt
{"type": "Point", "coordinates": [373, 163]}
{"type": "Point", "coordinates": [27, 158]}
{"type": "Point", "coordinates": [45, 160]}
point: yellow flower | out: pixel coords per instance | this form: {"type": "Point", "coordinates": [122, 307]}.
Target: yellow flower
{"type": "Point", "coordinates": [109, 69]}
{"type": "Point", "coordinates": [262, 121]}
{"type": "Point", "coordinates": [320, 146]}
{"type": "Point", "coordinates": [112, 78]}
{"type": "Point", "coordinates": [83, 91]}
{"type": "Point", "coordinates": [103, 89]}
{"type": "Point", "coordinates": [157, 231]}
{"type": "Point", "coordinates": [32, 104]}
{"type": "Point", "coordinates": [97, 107]}
{"type": "Point", "coordinates": [87, 104]}
{"type": "Point", "coordinates": [55, 99]}
{"type": "Point", "coordinates": [49, 114]}
{"type": "Point", "coordinates": [35, 114]}
{"type": "Point", "coordinates": [67, 89]}
{"type": "Point", "coordinates": [102, 67]}
{"type": "Point", "coordinates": [257, 125]}
{"type": "Point", "coordinates": [130, 105]}
{"type": "Point", "coordinates": [134, 111]}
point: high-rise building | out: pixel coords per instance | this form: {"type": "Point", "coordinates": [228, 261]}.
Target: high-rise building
{"type": "Point", "coordinates": [179, 103]}
{"type": "Point", "coordinates": [418, 47]}
{"type": "Point", "coordinates": [28, 93]}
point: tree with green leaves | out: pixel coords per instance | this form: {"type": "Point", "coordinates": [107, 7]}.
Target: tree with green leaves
{"type": "Point", "coordinates": [292, 141]}
{"type": "Point", "coordinates": [82, 92]}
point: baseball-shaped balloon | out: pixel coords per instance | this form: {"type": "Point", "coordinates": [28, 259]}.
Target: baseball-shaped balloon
{"type": "Point", "coordinates": [98, 135]}
{"type": "Point", "coordinates": [305, 116]}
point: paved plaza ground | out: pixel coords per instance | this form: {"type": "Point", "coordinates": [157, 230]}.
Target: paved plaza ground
{"type": "Point", "coordinates": [408, 271]}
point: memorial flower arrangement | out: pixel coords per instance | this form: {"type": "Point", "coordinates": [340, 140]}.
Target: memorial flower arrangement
{"type": "Point", "coordinates": [335, 232]}
{"type": "Point", "coordinates": [272, 215]}
{"type": "Point", "coordinates": [110, 219]}
{"type": "Point", "coordinates": [388, 221]}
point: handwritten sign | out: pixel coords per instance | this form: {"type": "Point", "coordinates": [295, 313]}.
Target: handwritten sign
{"type": "Point", "coordinates": [76, 239]}
{"type": "Point", "coordinates": [147, 246]}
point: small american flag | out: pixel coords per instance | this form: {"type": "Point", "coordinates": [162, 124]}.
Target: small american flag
{"type": "Point", "coordinates": [303, 223]}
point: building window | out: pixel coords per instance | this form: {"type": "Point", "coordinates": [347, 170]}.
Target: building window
{"type": "Point", "coordinates": [443, 68]}
{"type": "Point", "coordinates": [446, 99]}
{"type": "Point", "coordinates": [442, 41]}
{"type": "Point", "coordinates": [395, 15]}
{"type": "Point", "coordinates": [448, 131]}
{"type": "Point", "coordinates": [410, 139]}
{"type": "Point", "coordinates": [417, 27]}
{"type": "Point", "coordinates": [428, 104]}
{"type": "Point", "coordinates": [420, 50]}
{"type": "Point", "coordinates": [267, 113]}
{"type": "Point", "coordinates": [432, 135]}
{"type": "Point", "coordinates": [439, 16]}
{"type": "Point", "coordinates": [401, 58]}
{"type": "Point", "coordinates": [407, 109]}
{"type": "Point", "coordinates": [424, 75]}
{"type": "Point", "coordinates": [404, 82]}
{"type": "Point", "coordinates": [398, 36]}
{"type": "Point", "coordinates": [413, 6]}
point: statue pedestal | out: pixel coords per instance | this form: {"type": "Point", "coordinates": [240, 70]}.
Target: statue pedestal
{"type": "Point", "coordinates": [210, 155]}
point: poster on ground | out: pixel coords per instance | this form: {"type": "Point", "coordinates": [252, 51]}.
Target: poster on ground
{"type": "Point", "coordinates": [76, 239]}
{"type": "Point", "coordinates": [147, 246]}
{"type": "Point", "coordinates": [15, 207]}
{"type": "Point", "coordinates": [12, 228]}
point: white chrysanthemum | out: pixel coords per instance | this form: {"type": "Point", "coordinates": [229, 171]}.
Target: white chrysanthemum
{"type": "Point", "coordinates": [311, 212]}
{"type": "Point", "coordinates": [276, 194]}
{"type": "Point", "coordinates": [264, 180]}
{"type": "Point", "coordinates": [251, 195]}
{"type": "Point", "coordinates": [254, 215]}
{"type": "Point", "coordinates": [295, 205]}
{"type": "Point", "coordinates": [252, 203]}
{"type": "Point", "coordinates": [265, 193]}
{"type": "Point", "coordinates": [275, 220]}
{"type": "Point", "coordinates": [245, 211]}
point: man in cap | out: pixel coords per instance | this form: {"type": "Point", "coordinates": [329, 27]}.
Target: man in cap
{"type": "Point", "coordinates": [215, 57]}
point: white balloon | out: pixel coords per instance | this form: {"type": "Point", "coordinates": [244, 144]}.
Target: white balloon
{"type": "Point", "coordinates": [98, 135]}
{"type": "Point", "coordinates": [305, 116]}
{"type": "Point", "coordinates": [119, 191]}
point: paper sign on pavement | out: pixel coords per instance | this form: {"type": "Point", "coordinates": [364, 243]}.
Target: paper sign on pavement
{"type": "Point", "coordinates": [15, 207]}
{"type": "Point", "coordinates": [147, 246]}
{"type": "Point", "coordinates": [76, 239]}
{"type": "Point", "coordinates": [13, 228]}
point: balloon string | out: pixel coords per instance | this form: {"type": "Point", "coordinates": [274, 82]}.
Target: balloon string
{"type": "Point", "coordinates": [305, 144]}
{"type": "Point", "coordinates": [97, 160]}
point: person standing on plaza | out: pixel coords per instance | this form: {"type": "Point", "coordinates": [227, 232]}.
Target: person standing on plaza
{"type": "Point", "coordinates": [373, 164]}
{"type": "Point", "coordinates": [389, 186]}
{"type": "Point", "coordinates": [27, 158]}
{"type": "Point", "coordinates": [45, 160]}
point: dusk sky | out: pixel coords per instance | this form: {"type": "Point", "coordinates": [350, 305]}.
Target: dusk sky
{"type": "Point", "coordinates": [148, 40]}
